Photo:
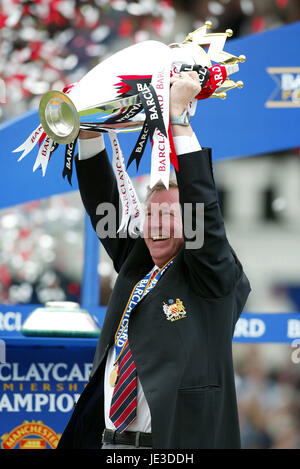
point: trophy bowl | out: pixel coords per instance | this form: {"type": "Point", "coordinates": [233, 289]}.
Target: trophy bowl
{"type": "Point", "coordinates": [59, 117]}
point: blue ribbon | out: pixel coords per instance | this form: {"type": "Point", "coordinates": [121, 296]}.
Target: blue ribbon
{"type": "Point", "coordinates": [141, 289]}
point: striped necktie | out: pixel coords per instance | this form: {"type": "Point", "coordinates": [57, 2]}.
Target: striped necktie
{"type": "Point", "coordinates": [123, 403]}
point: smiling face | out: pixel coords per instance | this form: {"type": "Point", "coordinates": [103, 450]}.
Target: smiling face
{"type": "Point", "coordinates": [163, 226]}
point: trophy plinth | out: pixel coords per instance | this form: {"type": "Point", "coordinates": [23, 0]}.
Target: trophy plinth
{"type": "Point", "coordinates": [60, 319]}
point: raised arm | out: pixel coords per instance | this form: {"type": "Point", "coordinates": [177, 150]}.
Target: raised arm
{"type": "Point", "coordinates": [98, 190]}
{"type": "Point", "coordinates": [212, 264]}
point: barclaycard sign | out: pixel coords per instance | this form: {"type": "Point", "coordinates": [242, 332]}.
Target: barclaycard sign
{"type": "Point", "coordinates": [287, 91]}
{"type": "Point", "coordinates": [10, 321]}
{"type": "Point", "coordinates": [38, 389]}
{"type": "Point", "coordinates": [267, 328]}
{"type": "Point", "coordinates": [249, 328]}
{"type": "Point", "coordinates": [41, 386]}
{"type": "Point", "coordinates": [36, 398]}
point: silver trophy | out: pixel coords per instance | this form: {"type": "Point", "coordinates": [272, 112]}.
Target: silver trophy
{"type": "Point", "coordinates": [126, 92]}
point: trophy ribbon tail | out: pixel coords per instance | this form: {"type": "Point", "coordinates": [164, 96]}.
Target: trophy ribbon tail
{"type": "Point", "coordinates": [30, 142]}
{"type": "Point", "coordinates": [160, 156]}
{"type": "Point", "coordinates": [43, 155]}
{"type": "Point", "coordinates": [131, 207]}
{"type": "Point", "coordinates": [69, 158]}
{"type": "Point", "coordinates": [140, 146]}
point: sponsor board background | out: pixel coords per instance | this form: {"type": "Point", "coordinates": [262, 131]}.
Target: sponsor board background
{"type": "Point", "coordinates": [27, 394]}
{"type": "Point", "coordinates": [41, 378]}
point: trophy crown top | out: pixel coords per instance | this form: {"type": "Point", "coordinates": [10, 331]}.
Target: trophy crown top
{"type": "Point", "coordinates": [212, 44]}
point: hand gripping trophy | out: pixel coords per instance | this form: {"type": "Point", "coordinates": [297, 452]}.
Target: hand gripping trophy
{"type": "Point", "coordinates": [129, 91]}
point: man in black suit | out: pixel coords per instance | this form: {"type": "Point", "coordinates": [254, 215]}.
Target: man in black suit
{"type": "Point", "coordinates": [180, 333]}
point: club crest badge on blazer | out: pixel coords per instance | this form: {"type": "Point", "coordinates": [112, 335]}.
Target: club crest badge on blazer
{"type": "Point", "coordinates": [174, 310]}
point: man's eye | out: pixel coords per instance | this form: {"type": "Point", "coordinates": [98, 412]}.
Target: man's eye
{"type": "Point", "coordinates": [163, 214]}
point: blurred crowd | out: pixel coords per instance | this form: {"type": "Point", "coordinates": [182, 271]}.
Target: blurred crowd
{"type": "Point", "coordinates": [268, 393]}
{"type": "Point", "coordinates": [48, 44]}
{"type": "Point", "coordinates": [42, 251]}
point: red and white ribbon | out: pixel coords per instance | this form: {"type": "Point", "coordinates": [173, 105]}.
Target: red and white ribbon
{"type": "Point", "coordinates": [136, 209]}
{"type": "Point", "coordinates": [30, 142]}
{"type": "Point", "coordinates": [131, 207]}
{"type": "Point", "coordinates": [43, 155]}
{"type": "Point", "coordinates": [160, 157]}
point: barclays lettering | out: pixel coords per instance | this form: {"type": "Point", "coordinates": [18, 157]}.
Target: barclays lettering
{"type": "Point", "coordinates": [10, 321]}
{"type": "Point", "coordinates": [37, 402]}
{"type": "Point", "coordinates": [293, 328]}
{"type": "Point", "coordinates": [42, 387]}
{"type": "Point", "coordinates": [250, 328]}
{"type": "Point", "coordinates": [44, 372]}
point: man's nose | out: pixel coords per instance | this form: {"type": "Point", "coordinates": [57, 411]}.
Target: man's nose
{"type": "Point", "coordinates": [156, 224]}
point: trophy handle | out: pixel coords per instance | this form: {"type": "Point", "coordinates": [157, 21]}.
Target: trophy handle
{"type": "Point", "coordinates": [59, 117]}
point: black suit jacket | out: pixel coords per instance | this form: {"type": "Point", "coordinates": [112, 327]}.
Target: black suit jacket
{"type": "Point", "coordinates": [185, 366]}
